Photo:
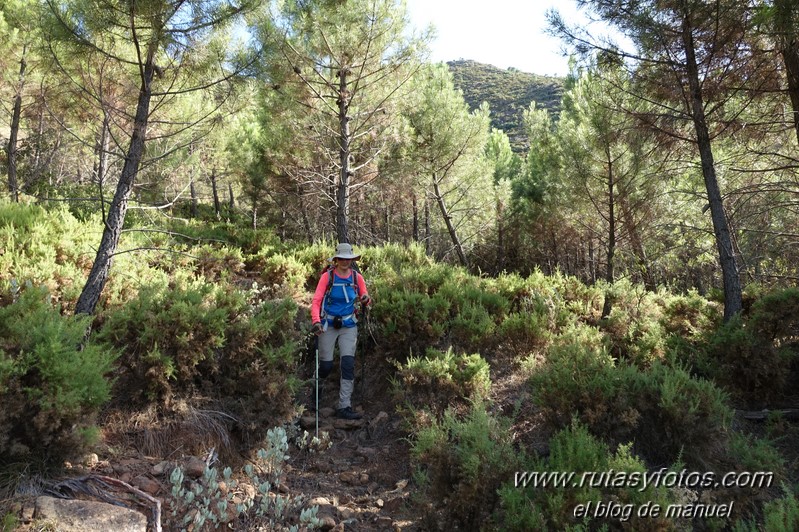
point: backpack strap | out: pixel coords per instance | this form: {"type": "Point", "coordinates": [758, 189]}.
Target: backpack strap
{"type": "Point", "coordinates": [353, 281]}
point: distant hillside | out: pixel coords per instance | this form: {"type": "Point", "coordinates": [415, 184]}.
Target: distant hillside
{"type": "Point", "coordinates": [508, 93]}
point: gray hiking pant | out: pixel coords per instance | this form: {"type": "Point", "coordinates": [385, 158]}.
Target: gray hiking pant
{"type": "Point", "coordinates": [347, 338]}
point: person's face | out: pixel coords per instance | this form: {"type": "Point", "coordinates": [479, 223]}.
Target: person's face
{"type": "Point", "coordinates": [344, 263]}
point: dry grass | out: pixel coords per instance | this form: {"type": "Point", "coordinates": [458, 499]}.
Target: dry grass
{"type": "Point", "coordinates": [166, 432]}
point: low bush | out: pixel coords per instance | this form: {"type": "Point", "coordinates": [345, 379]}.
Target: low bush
{"type": "Point", "coordinates": [523, 333]}
{"type": "Point", "coordinates": [473, 328]}
{"type": "Point", "coordinates": [752, 356]}
{"type": "Point", "coordinates": [45, 247]}
{"type": "Point", "coordinates": [462, 462]}
{"type": "Point", "coordinates": [52, 383]}
{"type": "Point", "coordinates": [212, 500]}
{"type": "Point", "coordinates": [393, 259]}
{"type": "Point", "coordinates": [203, 338]}
{"type": "Point", "coordinates": [782, 515]}
{"type": "Point", "coordinates": [409, 320]}
{"type": "Point", "coordinates": [779, 515]}
{"type": "Point", "coordinates": [549, 502]}
{"type": "Point", "coordinates": [751, 368]}
{"type": "Point", "coordinates": [663, 410]}
{"type": "Point", "coordinates": [690, 316]}
{"type": "Point", "coordinates": [441, 378]}
{"type": "Point", "coordinates": [218, 263]}
{"type": "Point", "coordinates": [633, 327]}
{"type": "Point", "coordinates": [775, 318]}
{"type": "Point", "coordinates": [286, 275]}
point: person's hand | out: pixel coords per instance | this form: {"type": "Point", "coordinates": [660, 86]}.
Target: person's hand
{"type": "Point", "coordinates": [316, 328]}
{"type": "Point", "coordinates": [366, 300]}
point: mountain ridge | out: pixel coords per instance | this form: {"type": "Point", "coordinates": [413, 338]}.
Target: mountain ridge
{"type": "Point", "coordinates": [508, 93]}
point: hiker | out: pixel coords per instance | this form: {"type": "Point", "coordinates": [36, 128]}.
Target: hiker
{"type": "Point", "coordinates": [333, 317]}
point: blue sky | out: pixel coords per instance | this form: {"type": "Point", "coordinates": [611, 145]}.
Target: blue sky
{"type": "Point", "coordinates": [503, 33]}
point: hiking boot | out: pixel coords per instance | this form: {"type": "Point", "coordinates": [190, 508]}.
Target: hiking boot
{"type": "Point", "coordinates": [347, 413]}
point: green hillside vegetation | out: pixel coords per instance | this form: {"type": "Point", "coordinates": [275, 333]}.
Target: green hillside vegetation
{"type": "Point", "coordinates": [508, 93]}
{"type": "Point", "coordinates": [219, 326]}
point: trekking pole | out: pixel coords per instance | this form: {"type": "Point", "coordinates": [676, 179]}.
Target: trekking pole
{"type": "Point", "coordinates": [316, 381]}
{"type": "Point", "coordinates": [362, 341]}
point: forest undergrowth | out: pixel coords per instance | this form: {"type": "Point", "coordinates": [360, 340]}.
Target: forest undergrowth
{"type": "Point", "coordinates": [197, 350]}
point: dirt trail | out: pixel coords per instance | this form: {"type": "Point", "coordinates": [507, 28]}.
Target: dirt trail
{"type": "Point", "coordinates": [363, 481]}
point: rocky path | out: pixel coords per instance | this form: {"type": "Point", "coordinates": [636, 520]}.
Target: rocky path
{"type": "Point", "coordinates": [363, 481]}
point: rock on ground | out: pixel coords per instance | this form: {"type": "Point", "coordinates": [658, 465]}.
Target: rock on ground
{"type": "Point", "coordinates": [73, 515]}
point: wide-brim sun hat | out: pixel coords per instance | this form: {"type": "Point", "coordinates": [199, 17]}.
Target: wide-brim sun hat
{"type": "Point", "coordinates": [344, 251]}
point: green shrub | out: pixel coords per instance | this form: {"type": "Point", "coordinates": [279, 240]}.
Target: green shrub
{"type": "Point", "coordinates": [464, 462]}
{"type": "Point", "coordinates": [45, 247]}
{"type": "Point", "coordinates": [393, 258]}
{"type": "Point", "coordinates": [751, 356]}
{"type": "Point", "coordinates": [526, 505]}
{"type": "Point", "coordinates": [747, 365]}
{"type": "Point", "coordinates": [212, 501]}
{"type": "Point", "coordinates": [441, 378]}
{"type": "Point", "coordinates": [782, 515]}
{"type": "Point", "coordinates": [219, 262]}
{"type": "Point", "coordinates": [751, 453]}
{"type": "Point", "coordinates": [437, 306]}
{"type": "Point", "coordinates": [582, 301]}
{"type": "Point", "coordinates": [690, 316]}
{"type": "Point", "coordinates": [775, 318]}
{"type": "Point", "coordinates": [633, 327]}
{"type": "Point", "coordinates": [409, 320]}
{"type": "Point", "coordinates": [779, 515]}
{"type": "Point", "coordinates": [473, 328]}
{"type": "Point", "coordinates": [51, 389]}
{"type": "Point", "coordinates": [524, 333]}
{"type": "Point", "coordinates": [203, 338]}
{"type": "Point", "coordinates": [682, 416]}
{"type": "Point", "coordinates": [286, 274]}
{"type": "Point", "coordinates": [663, 410]}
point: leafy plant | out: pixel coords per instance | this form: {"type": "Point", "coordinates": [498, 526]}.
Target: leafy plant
{"type": "Point", "coordinates": [550, 501]}
{"type": "Point", "coordinates": [662, 409]}
{"type": "Point", "coordinates": [231, 346]}
{"type": "Point", "coordinates": [746, 364]}
{"type": "Point", "coordinates": [210, 502]}
{"type": "Point", "coordinates": [465, 461]}
{"type": "Point", "coordinates": [52, 381]}
{"type": "Point", "coordinates": [524, 332]}
{"type": "Point", "coordinates": [442, 378]}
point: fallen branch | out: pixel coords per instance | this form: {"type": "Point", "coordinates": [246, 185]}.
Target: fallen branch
{"type": "Point", "coordinates": [761, 415]}
{"type": "Point", "coordinates": [88, 485]}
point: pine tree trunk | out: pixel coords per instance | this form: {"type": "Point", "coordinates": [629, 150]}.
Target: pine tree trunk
{"type": "Point", "coordinates": [609, 273]}
{"type": "Point", "coordinates": [415, 218]}
{"type": "Point", "coordinates": [98, 276]}
{"type": "Point", "coordinates": [387, 217]}
{"type": "Point", "coordinates": [500, 237]}
{"type": "Point", "coordinates": [733, 301]}
{"type": "Point", "coordinates": [448, 221]}
{"type": "Point", "coordinates": [13, 182]}
{"type": "Point", "coordinates": [215, 193]}
{"type": "Point", "coordinates": [342, 191]}
{"type": "Point", "coordinates": [636, 243]}
{"type": "Point", "coordinates": [788, 44]}
{"type": "Point", "coordinates": [427, 233]}
{"type": "Point", "coordinates": [194, 200]}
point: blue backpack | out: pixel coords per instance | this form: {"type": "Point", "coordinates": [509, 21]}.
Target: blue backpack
{"type": "Point", "coordinates": [338, 305]}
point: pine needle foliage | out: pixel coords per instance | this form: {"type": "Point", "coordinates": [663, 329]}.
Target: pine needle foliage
{"type": "Point", "coordinates": [52, 382]}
